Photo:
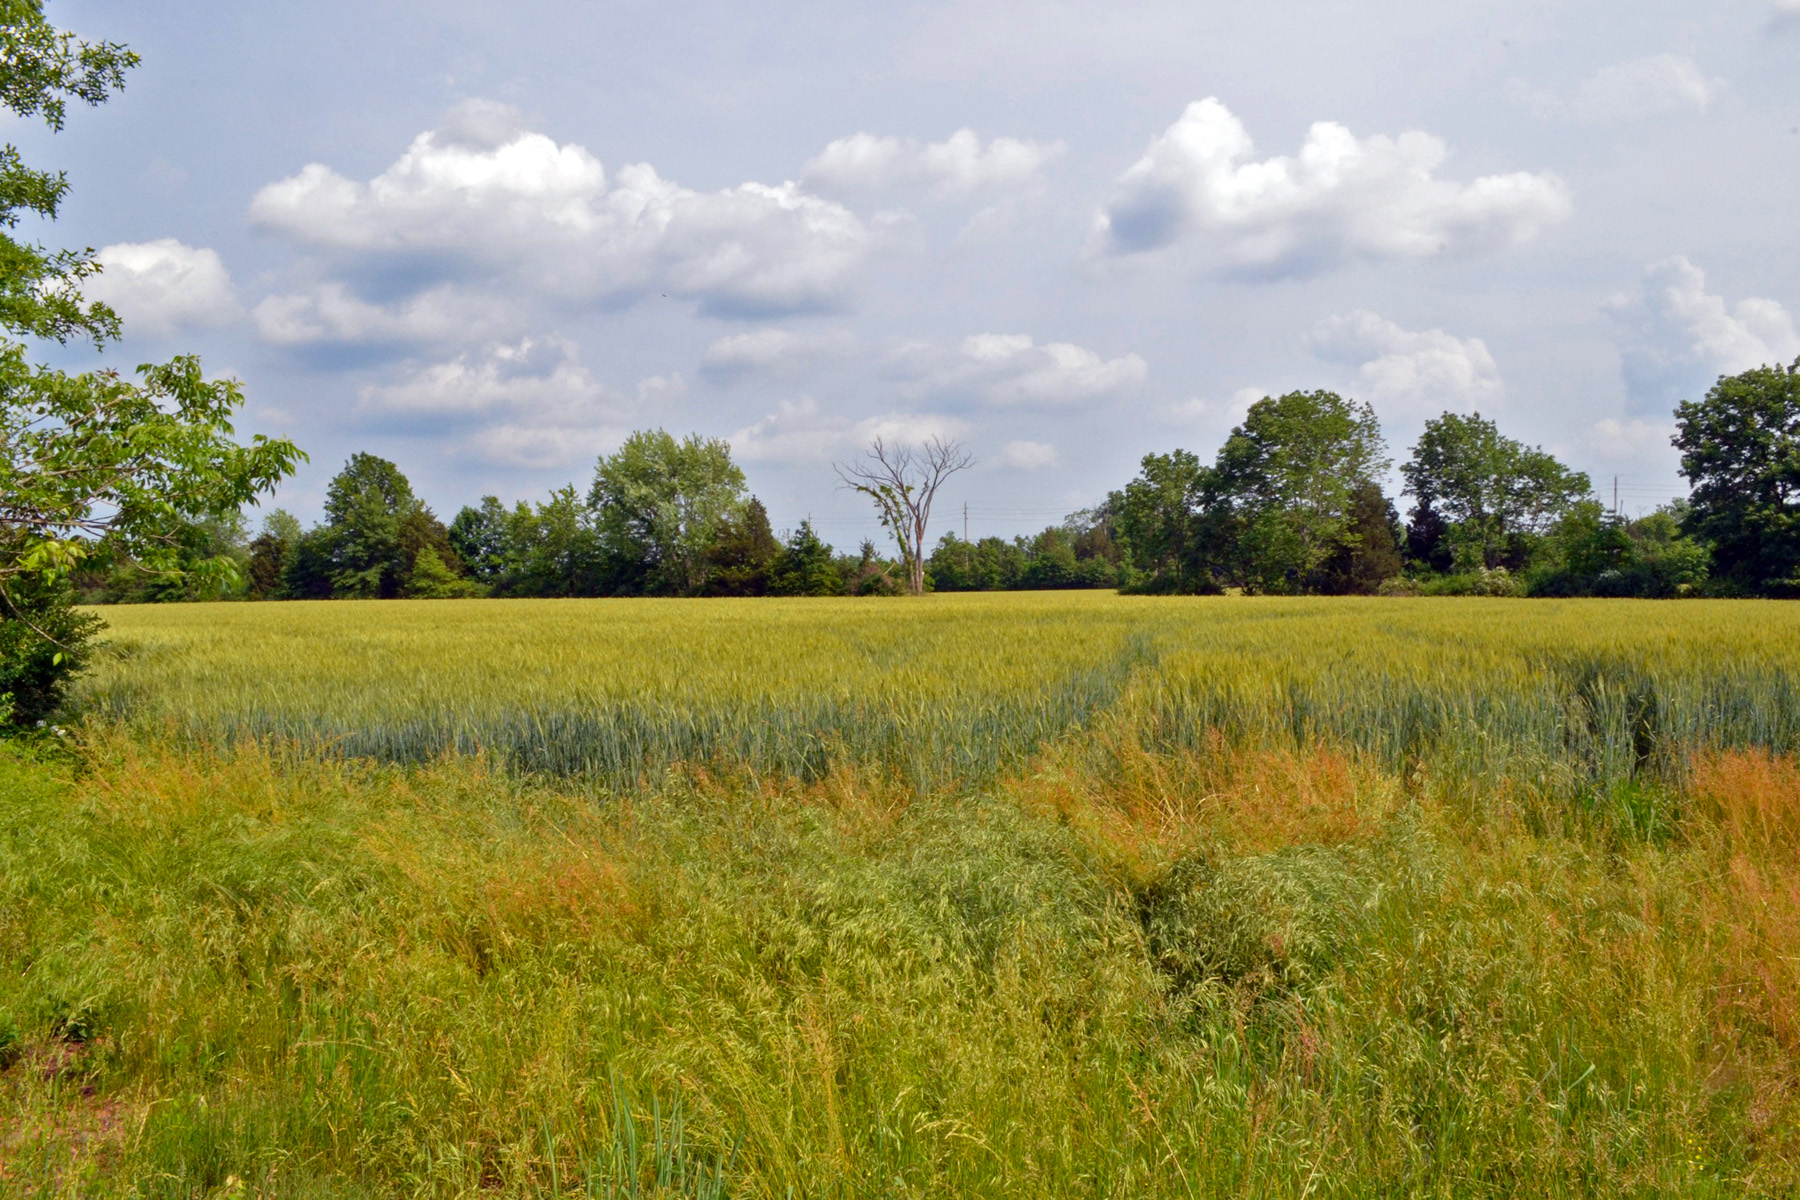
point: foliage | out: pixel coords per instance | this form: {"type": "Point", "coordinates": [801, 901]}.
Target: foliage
{"type": "Point", "coordinates": [659, 504]}
{"type": "Point", "coordinates": [1164, 520]}
{"type": "Point", "coordinates": [1286, 480]}
{"type": "Point", "coordinates": [1482, 500]}
{"type": "Point", "coordinates": [1369, 554]}
{"type": "Point", "coordinates": [44, 641]}
{"type": "Point", "coordinates": [1740, 448]}
{"type": "Point", "coordinates": [742, 554]}
{"type": "Point", "coordinates": [41, 69]}
{"type": "Point", "coordinates": [805, 566]}
{"type": "Point", "coordinates": [431, 579]}
{"type": "Point", "coordinates": [1593, 553]}
{"type": "Point", "coordinates": [271, 553]}
{"type": "Point", "coordinates": [1071, 555]}
{"type": "Point", "coordinates": [365, 506]}
{"type": "Point", "coordinates": [108, 578]}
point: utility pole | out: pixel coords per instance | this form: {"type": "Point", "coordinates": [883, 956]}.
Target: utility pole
{"type": "Point", "coordinates": [1615, 497]}
{"type": "Point", "coordinates": [966, 520]}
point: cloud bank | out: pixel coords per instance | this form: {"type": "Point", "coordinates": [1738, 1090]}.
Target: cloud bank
{"type": "Point", "coordinates": [1340, 199]}
{"type": "Point", "coordinates": [1407, 372]}
{"type": "Point", "coordinates": [482, 196]}
{"type": "Point", "coordinates": [164, 286]}
{"type": "Point", "coordinates": [1680, 337]}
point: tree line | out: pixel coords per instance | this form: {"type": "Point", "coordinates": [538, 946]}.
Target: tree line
{"type": "Point", "coordinates": [1290, 504]}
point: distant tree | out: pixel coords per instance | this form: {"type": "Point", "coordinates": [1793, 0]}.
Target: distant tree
{"type": "Point", "coordinates": [659, 505]}
{"type": "Point", "coordinates": [1370, 556]}
{"type": "Point", "coordinates": [365, 507]}
{"type": "Point", "coordinates": [271, 551]}
{"type": "Point", "coordinates": [557, 549]}
{"type": "Point", "coordinates": [481, 538]}
{"type": "Point", "coordinates": [420, 530]}
{"type": "Point", "coordinates": [743, 551]}
{"type": "Point", "coordinates": [867, 573]}
{"type": "Point", "coordinates": [308, 575]}
{"type": "Point", "coordinates": [432, 579]}
{"type": "Point", "coordinates": [985, 565]}
{"type": "Point", "coordinates": [1288, 477]}
{"type": "Point", "coordinates": [1740, 448]}
{"type": "Point", "coordinates": [1166, 528]}
{"type": "Point", "coordinates": [1592, 552]}
{"type": "Point", "coordinates": [217, 538]}
{"type": "Point", "coordinates": [1096, 533]}
{"type": "Point", "coordinates": [805, 566]}
{"type": "Point", "coordinates": [903, 481]}
{"type": "Point", "coordinates": [1482, 500]}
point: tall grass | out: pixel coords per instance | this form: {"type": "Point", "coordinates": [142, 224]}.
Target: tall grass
{"type": "Point", "coordinates": [1280, 906]}
{"type": "Point", "coordinates": [961, 688]}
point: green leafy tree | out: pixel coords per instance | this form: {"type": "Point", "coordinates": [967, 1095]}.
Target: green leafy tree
{"type": "Point", "coordinates": [271, 552]}
{"type": "Point", "coordinates": [1592, 552]}
{"type": "Point", "coordinates": [558, 550]}
{"type": "Point", "coordinates": [1482, 500]}
{"type": "Point", "coordinates": [659, 505]}
{"type": "Point", "coordinates": [482, 538]}
{"type": "Point", "coordinates": [1288, 477]}
{"type": "Point", "coordinates": [1371, 555]}
{"type": "Point", "coordinates": [805, 566]}
{"type": "Point", "coordinates": [91, 458]}
{"type": "Point", "coordinates": [1740, 449]}
{"type": "Point", "coordinates": [209, 539]}
{"type": "Point", "coordinates": [1167, 531]}
{"type": "Point", "coordinates": [742, 554]}
{"type": "Point", "coordinates": [987, 564]}
{"type": "Point", "coordinates": [432, 579]}
{"type": "Point", "coordinates": [365, 507]}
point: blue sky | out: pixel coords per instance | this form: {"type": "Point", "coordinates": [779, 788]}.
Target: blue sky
{"type": "Point", "coordinates": [487, 240]}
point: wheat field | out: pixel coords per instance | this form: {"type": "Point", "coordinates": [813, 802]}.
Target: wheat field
{"type": "Point", "coordinates": [981, 895]}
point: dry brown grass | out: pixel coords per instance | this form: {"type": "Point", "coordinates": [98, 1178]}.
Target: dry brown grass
{"type": "Point", "coordinates": [1147, 807]}
{"type": "Point", "coordinates": [1750, 802]}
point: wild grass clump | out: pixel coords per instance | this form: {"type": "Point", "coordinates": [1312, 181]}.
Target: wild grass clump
{"type": "Point", "coordinates": [986, 896]}
{"type": "Point", "coordinates": [320, 977]}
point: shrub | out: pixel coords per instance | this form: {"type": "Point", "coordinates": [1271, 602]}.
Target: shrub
{"type": "Point", "coordinates": [44, 642]}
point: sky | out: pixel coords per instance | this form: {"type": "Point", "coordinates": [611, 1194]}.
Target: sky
{"type": "Point", "coordinates": [488, 240]}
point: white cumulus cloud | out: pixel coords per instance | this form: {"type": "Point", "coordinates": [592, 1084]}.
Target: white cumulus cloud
{"type": "Point", "coordinates": [1679, 336]}
{"type": "Point", "coordinates": [1012, 369]}
{"type": "Point", "coordinates": [1340, 198]}
{"type": "Point", "coordinates": [960, 165]}
{"type": "Point", "coordinates": [482, 193]}
{"type": "Point", "coordinates": [1412, 371]}
{"type": "Point", "coordinates": [163, 286]}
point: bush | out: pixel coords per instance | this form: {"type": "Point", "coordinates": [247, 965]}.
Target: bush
{"type": "Point", "coordinates": [44, 641]}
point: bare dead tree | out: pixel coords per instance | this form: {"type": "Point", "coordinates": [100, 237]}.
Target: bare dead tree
{"type": "Point", "coordinates": [903, 481]}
